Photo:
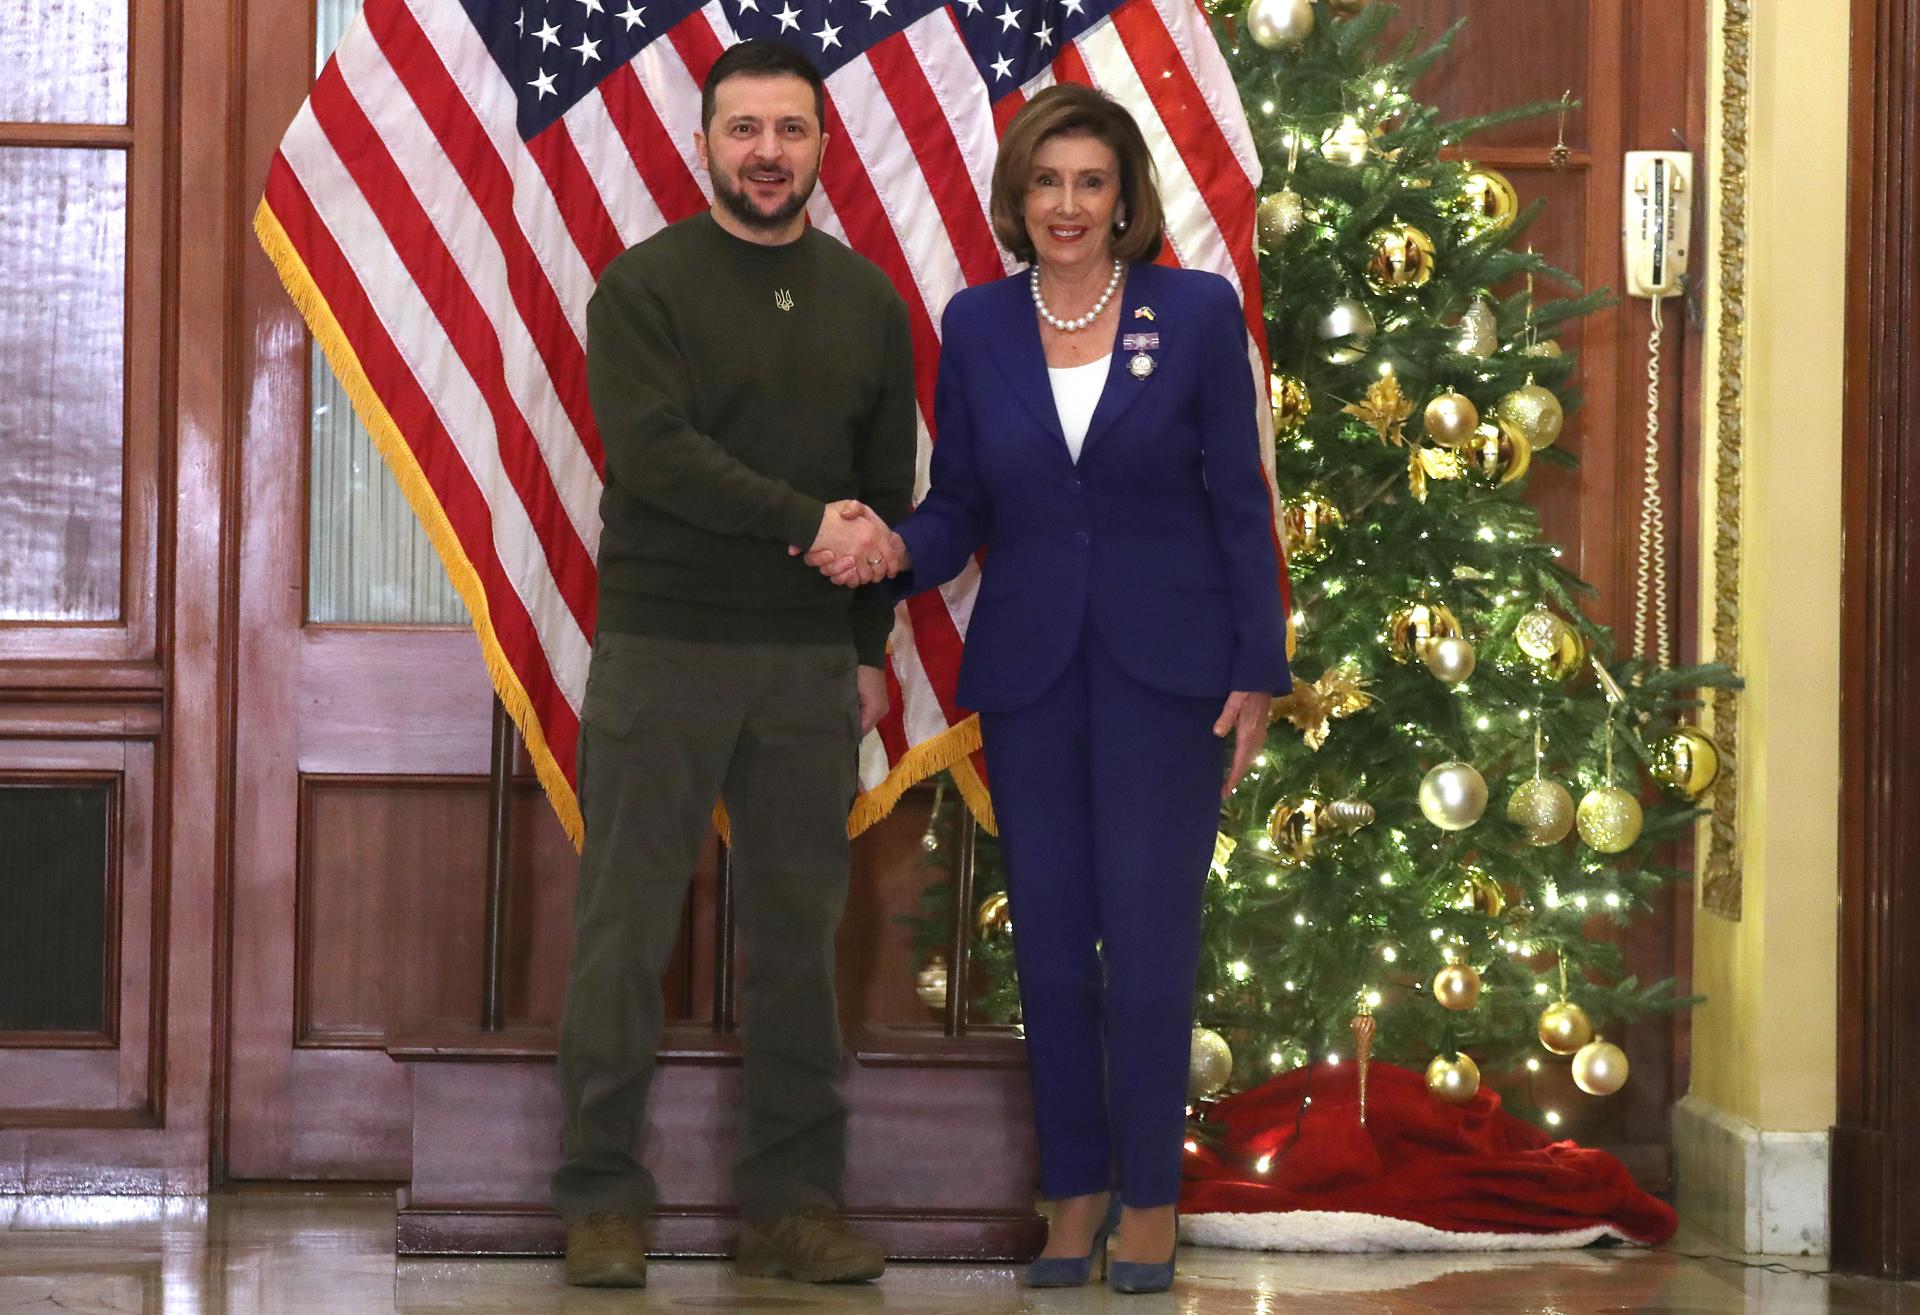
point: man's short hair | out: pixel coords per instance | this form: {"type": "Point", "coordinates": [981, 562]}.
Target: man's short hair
{"type": "Point", "coordinates": [1069, 109]}
{"type": "Point", "coordinates": [761, 59]}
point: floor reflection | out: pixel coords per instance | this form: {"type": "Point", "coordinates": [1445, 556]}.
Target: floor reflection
{"type": "Point", "coordinates": [266, 1253]}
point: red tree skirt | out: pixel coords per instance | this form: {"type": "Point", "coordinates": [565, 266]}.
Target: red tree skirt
{"type": "Point", "coordinates": [1418, 1175]}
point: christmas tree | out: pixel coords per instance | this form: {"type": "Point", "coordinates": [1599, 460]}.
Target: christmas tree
{"type": "Point", "coordinates": [1460, 795]}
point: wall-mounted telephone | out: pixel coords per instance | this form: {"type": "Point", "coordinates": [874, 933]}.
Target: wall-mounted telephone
{"type": "Point", "coordinates": [1657, 202]}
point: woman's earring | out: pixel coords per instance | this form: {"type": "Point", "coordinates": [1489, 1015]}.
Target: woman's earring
{"type": "Point", "coordinates": [1120, 224]}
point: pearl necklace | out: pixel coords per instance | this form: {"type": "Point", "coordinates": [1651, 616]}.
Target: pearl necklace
{"type": "Point", "coordinates": [1074, 326]}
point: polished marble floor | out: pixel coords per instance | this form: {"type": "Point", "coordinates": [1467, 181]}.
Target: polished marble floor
{"type": "Point", "coordinates": [332, 1255]}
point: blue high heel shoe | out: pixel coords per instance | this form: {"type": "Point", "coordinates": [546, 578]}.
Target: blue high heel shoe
{"type": "Point", "coordinates": [1074, 1271]}
{"type": "Point", "coordinates": [1132, 1276]}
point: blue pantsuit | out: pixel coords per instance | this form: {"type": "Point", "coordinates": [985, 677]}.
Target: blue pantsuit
{"type": "Point", "coordinates": [1105, 869]}
{"type": "Point", "coordinates": [1123, 597]}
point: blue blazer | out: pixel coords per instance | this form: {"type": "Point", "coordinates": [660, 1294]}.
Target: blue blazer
{"type": "Point", "coordinates": [1162, 534]}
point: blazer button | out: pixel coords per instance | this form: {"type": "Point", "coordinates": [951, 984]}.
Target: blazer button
{"type": "Point", "coordinates": [1083, 538]}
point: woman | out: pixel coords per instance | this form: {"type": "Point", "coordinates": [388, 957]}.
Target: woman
{"type": "Point", "coordinates": [1097, 435]}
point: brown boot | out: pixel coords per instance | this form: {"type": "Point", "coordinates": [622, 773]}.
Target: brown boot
{"type": "Point", "coordinates": [607, 1249]}
{"type": "Point", "coordinates": [812, 1244]}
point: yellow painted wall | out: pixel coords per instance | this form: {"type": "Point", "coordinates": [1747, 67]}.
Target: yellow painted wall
{"type": "Point", "coordinates": [1764, 1044]}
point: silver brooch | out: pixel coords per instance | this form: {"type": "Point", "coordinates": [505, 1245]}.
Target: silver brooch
{"type": "Point", "coordinates": [1141, 365]}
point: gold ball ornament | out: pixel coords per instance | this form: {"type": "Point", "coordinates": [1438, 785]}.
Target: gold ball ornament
{"type": "Point", "coordinates": [1479, 327]}
{"type": "Point", "coordinates": [1549, 644]}
{"type": "Point", "coordinates": [1564, 1027]}
{"type": "Point", "coordinates": [1306, 523]}
{"type": "Point", "coordinates": [1499, 454]}
{"type": "Point", "coordinates": [1453, 796]}
{"type": "Point", "coordinates": [1450, 419]}
{"type": "Point", "coordinates": [1416, 626]}
{"type": "Point", "coordinates": [930, 983]}
{"type": "Point", "coordinates": [1280, 24]}
{"type": "Point", "coordinates": [1686, 761]}
{"type": "Point", "coordinates": [1457, 986]}
{"type": "Point", "coordinates": [1280, 216]}
{"type": "Point", "coordinates": [1543, 810]}
{"type": "Point", "coordinates": [1488, 201]}
{"type": "Point", "coordinates": [1600, 1067]}
{"type": "Point", "coordinates": [1347, 143]}
{"type": "Point", "coordinates": [1451, 660]}
{"type": "Point", "coordinates": [994, 917]}
{"type": "Point", "coordinates": [1453, 1080]}
{"type": "Point", "coordinates": [1291, 402]}
{"type": "Point", "coordinates": [1402, 258]}
{"type": "Point", "coordinates": [1350, 319]}
{"type": "Point", "coordinates": [1538, 634]}
{"type": "Point", "coordinates": [1209, 1063]}
{"type": "Point", "coordinates": [1609, 819]}
{"type": "Point", "coordinates": [1295, 825]}
{"type": "Point", "coordinates": [1481, 894]}
{"type": "Point", "coordinates": [1545, 349]}
{"type": "Point", "coordinates": [1532, 412]}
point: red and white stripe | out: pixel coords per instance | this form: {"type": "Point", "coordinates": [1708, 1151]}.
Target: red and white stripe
{"type": "Point", "coordinates": [457, 261]}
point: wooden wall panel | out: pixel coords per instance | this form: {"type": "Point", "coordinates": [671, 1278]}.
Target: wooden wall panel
{"type": "Point", "coordinates": [389, 907]}
{"type": "Point", "coordinates": [111, 1076]}
{"type": "Point", "coordinates": [1876, 1136]}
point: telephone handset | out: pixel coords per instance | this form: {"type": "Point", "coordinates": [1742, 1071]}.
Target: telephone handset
{"type": "Point", "coordinates": [1658, 202]}
{"type": "Point", "coordinates": [1658, 214]}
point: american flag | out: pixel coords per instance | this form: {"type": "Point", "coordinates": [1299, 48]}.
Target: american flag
{"type": "Point", "coordinates": [464, 169]}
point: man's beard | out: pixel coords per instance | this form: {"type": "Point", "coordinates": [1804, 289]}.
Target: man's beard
{"type": "Point", "coordinates": [741, 208]}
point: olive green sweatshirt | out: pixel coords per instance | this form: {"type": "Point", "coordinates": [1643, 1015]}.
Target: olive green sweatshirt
{"type": "Point", "coordinates": [738, 389]}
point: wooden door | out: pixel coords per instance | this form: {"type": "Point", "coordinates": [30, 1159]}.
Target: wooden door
{"type": "Point", "coordinates": [360, 832]}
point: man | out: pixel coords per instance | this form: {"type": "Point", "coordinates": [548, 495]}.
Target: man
{"type": "Point", "coordinates": [753, 384]}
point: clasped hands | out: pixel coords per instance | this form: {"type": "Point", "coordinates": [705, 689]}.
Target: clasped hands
{"type": "Point", "coordinates": [854, 546]}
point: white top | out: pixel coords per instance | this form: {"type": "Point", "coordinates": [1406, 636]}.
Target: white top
{"type": "Point", "coordinates": [1076, 392]}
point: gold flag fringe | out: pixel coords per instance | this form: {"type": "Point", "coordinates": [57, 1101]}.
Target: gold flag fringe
{"type": "Point", "coordinates": [313, 307]}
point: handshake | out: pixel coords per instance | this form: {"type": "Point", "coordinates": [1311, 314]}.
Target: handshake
{"type": "Point", "coordinates": [854, 546]}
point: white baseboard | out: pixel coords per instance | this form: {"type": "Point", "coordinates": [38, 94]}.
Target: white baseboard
{"type": "Point", "coordinates": [1764, 1192]}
